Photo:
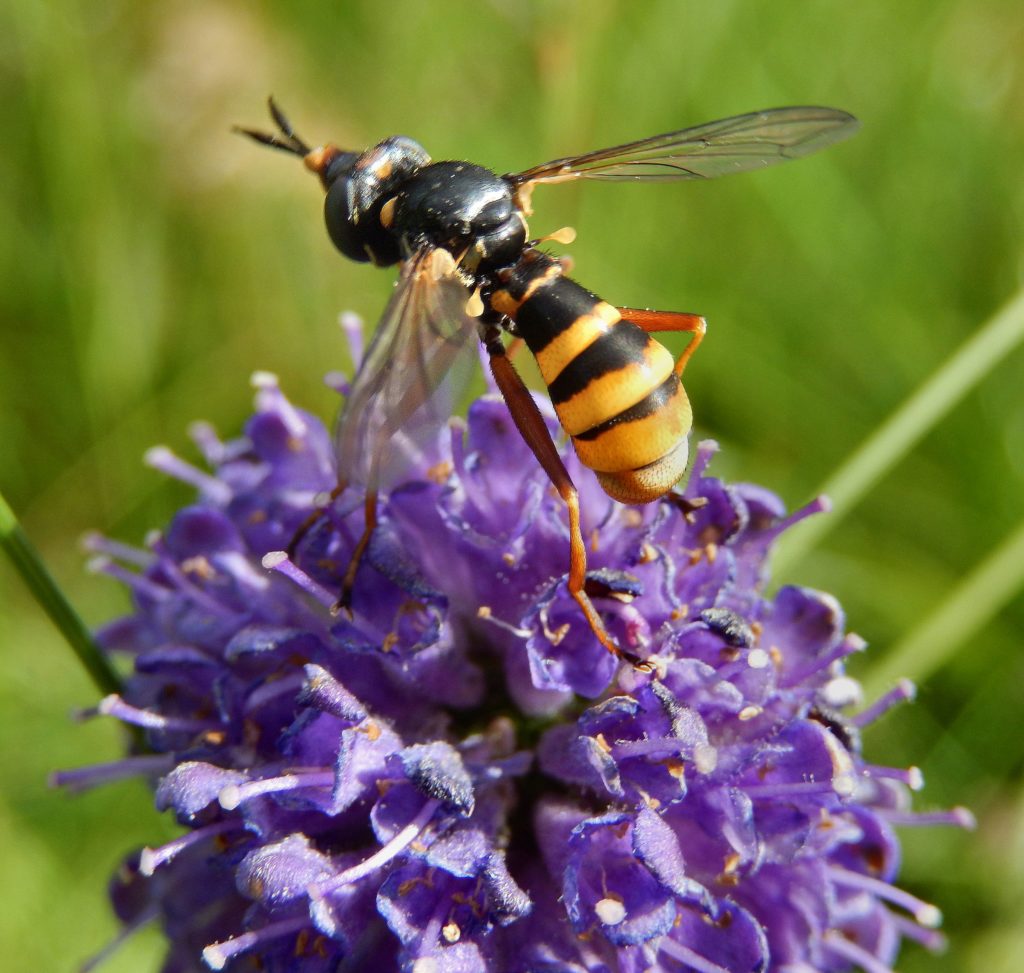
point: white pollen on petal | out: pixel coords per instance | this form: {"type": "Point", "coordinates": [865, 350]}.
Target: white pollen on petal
{"type": "Point", "coordinates": [147, 862]}
{"type": "Point", "coordinates": [451, 932]}
{"type": "Point", "coordinates": [263, 380]}
{"type": "Point", "coordinates": [758, 659]}
{"type": "Point", "coordinates": [230, 797]}
{"type": "Point", "coordinates": [844, 786]}
{"type": "Point", "coordinates": [929, 917]}
{"type": "Point", "coordinates": [157, 455]}
{"type": "Point", "coordinates": [610, 911]}
{"type": "Point", "coordinates": [705, 758]}
{"type": "Point", "coordinates": [273, 558]}
{"type": "Point", "coordinates": [843, 691]}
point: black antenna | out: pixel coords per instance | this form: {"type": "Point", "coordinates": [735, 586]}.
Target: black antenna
{"type": "Point", "coordinates": [286, 141]}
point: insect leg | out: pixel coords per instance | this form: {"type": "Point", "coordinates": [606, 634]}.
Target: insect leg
{"type": "Point", "coordinates": [653, 321]}
{"type": "Point", "coordinates": [530, 424]}
{"type": "Point", "coordinates": [369, 524]}
{"type": "Point", "coordinates": [310, 522]}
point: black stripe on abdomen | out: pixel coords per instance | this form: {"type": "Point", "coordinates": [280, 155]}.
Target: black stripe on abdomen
{"type": "Point", "coordinates": [648, 405]}
{"type": "Point", "coordinates": [619, 348]}
{"type": "Point", "coordinates": [552, 308]}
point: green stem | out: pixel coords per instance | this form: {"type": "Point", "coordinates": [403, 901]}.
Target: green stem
{"type": "Point", "coordinates": [51, 599]}
{"type": "Point", "coordinates": [895, 437]}
{"type": "Point", "coordinates": [961, 613]}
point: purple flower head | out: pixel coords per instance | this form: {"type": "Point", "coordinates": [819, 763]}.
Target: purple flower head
{"type": "Point", "coordinates": [457, 777]}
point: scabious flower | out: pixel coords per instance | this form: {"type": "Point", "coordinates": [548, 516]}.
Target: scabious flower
{"type": "Point", "coordinates": [457, 777]}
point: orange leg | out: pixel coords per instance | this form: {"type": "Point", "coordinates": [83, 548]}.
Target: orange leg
{"type": "Point", "coordinates": [653, 321]}
{"type": "Point", "coordinates": [311, 521]}
{"type": "Point", "coordinates": [369, 508]}
{"type": "Point", "coordinates": [535, 433]}
{"type": "Point", "coordinates": [369, 523]}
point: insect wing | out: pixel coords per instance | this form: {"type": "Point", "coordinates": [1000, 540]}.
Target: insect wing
{"type": "Point", "coordinates": [707, 151]}
{"type": "Point", "coordinates": [419, 362]}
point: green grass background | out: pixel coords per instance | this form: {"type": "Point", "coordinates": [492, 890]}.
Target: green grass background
{"type": "Point", "coordinates": [150, 261]}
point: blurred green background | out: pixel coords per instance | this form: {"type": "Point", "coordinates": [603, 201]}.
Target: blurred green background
{"type": "Point", "coordinates": [151, 261]}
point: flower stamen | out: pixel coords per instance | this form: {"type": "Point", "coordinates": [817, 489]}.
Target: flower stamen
{"type": "Point", "coordinates": [484, 612]}
{"type": "Point", "coordinates": [84, 778]}
{"type": "Point", "coordinates": [837, 943]}
{"type": "Point", "coordinates": [903, 692]}
{"type": "Point", "coordinates": [956, 817]}
{"type": "Point", "coordinates": [923, 912]}
{"type": "Point", "coordinates": [686, 956]}
{"type": "Point", "coordinates": [115, 706]}
{"type": "Point", "coordinates": [218, 955]}
{"type": "Point", "coordinates": [233, 795]}
{"type": "Point", "coordinates": [152, 858]}
{"type": "Point", "coordinates": [167, 462]}
{"type": "Point", "coordinates": [280, 561]}
{"type": "Point", "coordinates": [382, 856]}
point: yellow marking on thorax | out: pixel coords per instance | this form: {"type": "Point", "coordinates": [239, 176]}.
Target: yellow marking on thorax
{"type": "Point", "coordinates": [568, 344]}
{"type": "Point", "coordinates": [387, 213]}
{"type": "Point", "coordinates": [504, 303]}
{"type": "Point", "coordinates": [614, 392]}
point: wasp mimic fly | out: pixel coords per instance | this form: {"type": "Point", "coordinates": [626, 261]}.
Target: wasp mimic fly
{"type": "Point", "coordinates": [468, 270]}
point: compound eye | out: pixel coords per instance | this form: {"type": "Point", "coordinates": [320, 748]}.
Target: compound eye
{"type": "Point", "coordinates": [341, 225]}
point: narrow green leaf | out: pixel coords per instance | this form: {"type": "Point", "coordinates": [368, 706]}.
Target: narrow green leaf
{"type": "Point", "coordinates": [960, 615]}
{"type": "Point", "coordinates": [895, 437]}
{"type": "Point", "coordinates": [51, 599]}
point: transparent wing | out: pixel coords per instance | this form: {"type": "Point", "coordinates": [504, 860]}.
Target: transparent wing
{"type": "Point", "coordinates": [419, 361]}
{"type": "Point", "coordinates": [707, 151]}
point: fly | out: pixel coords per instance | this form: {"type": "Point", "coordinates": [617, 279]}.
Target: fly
{"type": "Point", "coordinates": [469, 271]}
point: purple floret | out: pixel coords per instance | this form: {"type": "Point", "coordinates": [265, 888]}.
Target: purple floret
{"type": "Point", "coordinates": [458, 777]}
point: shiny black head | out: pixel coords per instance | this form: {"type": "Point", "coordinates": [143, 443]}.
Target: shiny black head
{"type": "Point", "coordinates": [358, 184]}
{"type": "Point", "coordinates": [385, 204]}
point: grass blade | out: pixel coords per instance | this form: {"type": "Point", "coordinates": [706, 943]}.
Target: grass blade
{"type": "Point", "coordinates": [895, 437]}
{"type": "Point", "coordinates": [961, 613]}
{"type": "Point", "coordinates": [51, 599]}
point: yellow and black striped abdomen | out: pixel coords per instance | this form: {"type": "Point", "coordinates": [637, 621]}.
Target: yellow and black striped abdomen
{"type": "Point", "coordinates": [612, 385]}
